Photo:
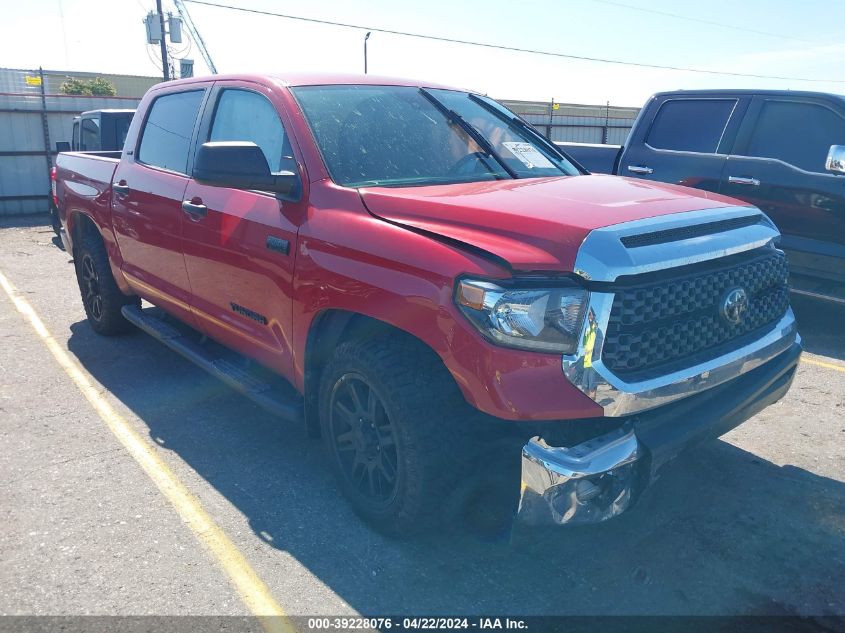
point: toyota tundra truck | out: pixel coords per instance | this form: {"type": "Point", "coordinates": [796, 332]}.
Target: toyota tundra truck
{"type": "Point", "coordinates": [433, 289]}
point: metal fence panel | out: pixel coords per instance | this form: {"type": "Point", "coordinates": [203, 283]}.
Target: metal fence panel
{"type": "Point", "coordinates": [577, 123]}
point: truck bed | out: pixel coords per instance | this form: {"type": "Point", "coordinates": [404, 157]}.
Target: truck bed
{"type": "Point", "coordinates": [81, 178]}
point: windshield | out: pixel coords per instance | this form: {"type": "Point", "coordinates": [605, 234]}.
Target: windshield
{"type": "Point", "coordinates": [400, 136]}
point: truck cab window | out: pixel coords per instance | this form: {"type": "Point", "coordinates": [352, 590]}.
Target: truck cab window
{"type": "Point", "coordinates": [90, 135]}
{"type": "Point", "coordinates": [242, 115]}
{"type": "Point", "coordinates": [166, 137]}
{"type": "Point", "coordinates": [690, 125]}
{"type": "Point", "coordinates": [796, 133]}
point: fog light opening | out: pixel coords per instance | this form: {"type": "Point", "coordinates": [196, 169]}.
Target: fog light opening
{"type": "Point", "coordinates": [586, 490]}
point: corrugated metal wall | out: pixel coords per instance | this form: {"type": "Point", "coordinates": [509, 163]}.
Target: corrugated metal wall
{"type": "Point", "coordinates": [577, 123]}
{"type": "Point", "coordinates": [25, 159]}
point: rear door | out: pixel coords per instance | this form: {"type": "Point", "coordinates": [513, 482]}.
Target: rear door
{"type": "Point", "coordinates": [148, 189]}
{"type": "Point", "coordinates": [778, 164]}
{"type": "Point", "coordinates": [240, 245]}
{"type": "Point", "coordinates": [684, 141]}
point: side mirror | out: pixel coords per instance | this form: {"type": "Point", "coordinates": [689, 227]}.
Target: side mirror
{"type": "Point", "coordinates": [836, 159]}
{"type": "Point", "coordinates": [240, 165]}
{"type": "Point", "coordinates": [62, 146]}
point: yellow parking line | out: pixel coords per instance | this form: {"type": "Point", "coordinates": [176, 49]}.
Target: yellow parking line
{"type": "Point", "coordinates": [252, 590]}
{"type": "Point", "coordinates": [820, 363]}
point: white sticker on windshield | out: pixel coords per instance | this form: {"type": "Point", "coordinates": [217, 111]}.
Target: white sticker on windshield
{"type": "Point", "coordinates": [529, 155]}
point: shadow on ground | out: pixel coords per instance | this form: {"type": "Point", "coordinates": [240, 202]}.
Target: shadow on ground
{"type": "Point", "coordinates": [28, 220]}
{"type": "Point", "coordinates": [722, 532]}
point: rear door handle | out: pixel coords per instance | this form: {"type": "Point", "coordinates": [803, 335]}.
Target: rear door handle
{"type": "Point", "coordinates": [194, 209]}
{"type": "Point", "coordinates": [744, 180]}
{"type": "Point", "coordinates": [121, 188]}
{"type": "Point", "coordinates": [640, 169]}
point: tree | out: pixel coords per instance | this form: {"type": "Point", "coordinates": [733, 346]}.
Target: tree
{"type": "Point", "coordinates": [102, 87]}
{"type": "Point", "coordinates": [97, 87]}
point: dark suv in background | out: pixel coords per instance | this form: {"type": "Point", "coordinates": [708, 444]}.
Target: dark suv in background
{"type": "Point", "coordinates": [781, 151]}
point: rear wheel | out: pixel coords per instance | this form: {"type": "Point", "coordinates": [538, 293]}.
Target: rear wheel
{"type": "Point", "coordinates": [101, 297]}
{"type": "Point", "coordinates": [55, 221]}
{"type": "Point", "coordinates": [388, 416]}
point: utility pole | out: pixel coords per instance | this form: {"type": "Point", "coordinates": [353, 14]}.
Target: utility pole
{"type": "Point", "coordinates": [192, 29]}
{"type": "Point", "coordinates": [366, 37]}
{"type": "Point", "coordinates": [164, 63]}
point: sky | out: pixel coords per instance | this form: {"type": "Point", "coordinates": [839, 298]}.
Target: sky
{"type": "Point", "coordinates": [799, 39]}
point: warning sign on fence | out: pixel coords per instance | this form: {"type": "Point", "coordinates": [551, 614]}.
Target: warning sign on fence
{"type": "Point", "coordinates": [32, 81]}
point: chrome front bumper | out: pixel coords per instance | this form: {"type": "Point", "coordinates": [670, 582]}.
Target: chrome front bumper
{"type": "Point", "coordinates": [602, 477]}
{"type": "Point", "coordinates": [587, 483]}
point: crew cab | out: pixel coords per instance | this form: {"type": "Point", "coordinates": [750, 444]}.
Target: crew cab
{"type": "Point", "coordinates": [433, 288]}
{"type": "Point", "coordinates": [782, 151]}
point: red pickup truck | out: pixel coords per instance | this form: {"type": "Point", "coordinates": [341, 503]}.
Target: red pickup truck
{"type": "Point", "coordinates": [433, 288]}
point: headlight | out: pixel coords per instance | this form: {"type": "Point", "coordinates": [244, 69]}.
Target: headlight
{"type": "Point", "coordinates": [537, 316]}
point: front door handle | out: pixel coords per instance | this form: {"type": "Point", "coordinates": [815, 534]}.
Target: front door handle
{"type": "Point", "coordinates": [195, 209]}
{"type": "Point", "coordinates": [121, 188]}
{"type": "Point", "coordinates": [744, 180]}
{"type": "Point", "coordinates": [640, 169]}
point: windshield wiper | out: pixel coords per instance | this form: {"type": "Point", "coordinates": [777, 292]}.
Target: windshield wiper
{"type": "Point", "coordinates": [515, 121]}
{"type": "Point", "coordinates": [474, 134]}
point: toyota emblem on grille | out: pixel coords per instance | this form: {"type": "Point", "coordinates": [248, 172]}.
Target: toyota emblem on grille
{"type": "Point", "coordinates": [735, 305]}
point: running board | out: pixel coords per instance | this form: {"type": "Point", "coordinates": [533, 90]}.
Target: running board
{"type": "Point", "coordinates": [272, 399]}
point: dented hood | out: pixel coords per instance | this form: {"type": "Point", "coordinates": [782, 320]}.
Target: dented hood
{"type": "Point", "coordinates": [534, 224]}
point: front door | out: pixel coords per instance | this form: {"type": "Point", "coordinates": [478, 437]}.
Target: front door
{"type": "Point", "coordinates": [240, 245]}
{"type": "Point", "coordinates": [683, 143]}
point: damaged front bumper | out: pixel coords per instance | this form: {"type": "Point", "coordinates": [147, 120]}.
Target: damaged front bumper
{"type": "Point", "coordinates": [602, 477]}
{"type": "Point", "coordinates": [587, 483]}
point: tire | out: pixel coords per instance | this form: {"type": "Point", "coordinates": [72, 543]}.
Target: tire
{"type": "Point", "coordinates": [101, 297]}
{"type": "Point", "coordinates": [55, 221]}
{"type": "Point", "coordinates": [396, 457]}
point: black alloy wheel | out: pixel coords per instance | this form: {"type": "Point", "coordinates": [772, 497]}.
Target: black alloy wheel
{"type": "Point", "coordinates": [91, 291]}
{"type": "Point", "coordinates": [364, 440]}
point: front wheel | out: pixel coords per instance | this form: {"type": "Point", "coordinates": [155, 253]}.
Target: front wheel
{"type": "Point", "coordinates": [101, 297]}
{"type": "Point", "coordinates": [385, 410]}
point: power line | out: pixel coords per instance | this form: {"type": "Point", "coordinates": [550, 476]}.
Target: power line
{"type": "Point", "coordinates": [507, 48]}
{"type": "Point", "coordinates": [702, 21]}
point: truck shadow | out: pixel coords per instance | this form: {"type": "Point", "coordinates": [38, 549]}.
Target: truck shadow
{"type": "Point", "coordinates": [723, 532]}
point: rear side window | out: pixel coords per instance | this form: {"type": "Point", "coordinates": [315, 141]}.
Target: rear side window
{"type": "Point", "coordinates": [242, 115]}
{"type": "Point", "coordinates": [797, 133]}
{"type": "Point", "coordinates": [166, 138]}
{"type": "Point", "coordinates": [690, 125]}
{"type": "Point", "coordinates": [90, 135]}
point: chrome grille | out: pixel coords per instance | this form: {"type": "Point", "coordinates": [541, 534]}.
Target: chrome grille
{"type": "Point", "coordinates": [675, 322]}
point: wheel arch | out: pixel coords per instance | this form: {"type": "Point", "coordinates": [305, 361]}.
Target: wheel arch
{"type": "Point", "coordinates": [328, 329]}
